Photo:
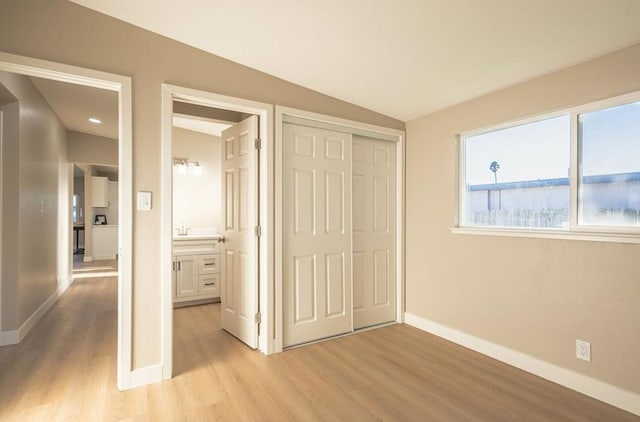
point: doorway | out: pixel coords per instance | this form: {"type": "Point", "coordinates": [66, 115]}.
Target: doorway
{"type": "Point", "coordinates": [95, 214]}
{"type": "Point", "coordinates": [215, 259]}
{"type": "Point", "coordinates": [77, 77]}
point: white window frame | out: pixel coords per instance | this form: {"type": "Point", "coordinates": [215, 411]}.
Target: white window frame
{"type": "Point", "coordinates": [576, 230]}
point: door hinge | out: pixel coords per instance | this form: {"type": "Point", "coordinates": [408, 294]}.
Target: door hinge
{"type": "Point", "coordinates": [258, 318]}
{"type": "Point", "coordinates": [258, 143]}
{"type": "Point", "coordinates": [258, 230]}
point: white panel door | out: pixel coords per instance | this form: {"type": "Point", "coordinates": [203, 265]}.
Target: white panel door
{"type": "Point", "coordinates": [316, 212]}
{"type": "Point", "coordinates": [374, 220]}
{"type": "Point", "coordinates": [239, 252]}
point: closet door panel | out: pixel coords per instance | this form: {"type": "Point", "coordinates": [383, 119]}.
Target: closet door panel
{"type": "Point", "coordinates": [317, 234]}
{"type": "Point", "coordinates": [374, 205]}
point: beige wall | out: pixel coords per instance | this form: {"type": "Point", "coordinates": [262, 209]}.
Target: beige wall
{"type": "Point", "coordinates": [536, 296]}
{"type": "Point", "coordinates": [35, 179]}
{"type": "Point", "coordinates": [91, 149]}
{"type": "Point", "coordinates": [67, 33]}
{"type": "Point", "coordinates": [197, 195]}
{"type": "Point", "coordinates": [9, 285]}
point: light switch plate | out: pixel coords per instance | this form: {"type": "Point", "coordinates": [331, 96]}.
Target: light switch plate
{"type": "Point", "coordinates": [144, 201]}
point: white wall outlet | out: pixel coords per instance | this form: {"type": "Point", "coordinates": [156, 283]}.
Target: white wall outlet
{"type": "Point", "coordinates": [583, 350]}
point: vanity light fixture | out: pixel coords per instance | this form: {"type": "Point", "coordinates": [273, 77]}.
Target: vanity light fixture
{"type": "Point", "coordinates": [184, 162]}
{"type": "Point", "coordinates": [95, 120]}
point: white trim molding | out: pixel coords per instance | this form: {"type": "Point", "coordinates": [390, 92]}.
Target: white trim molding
{"type": "Point", "coordinates": [581, 383]}
{"type": "Point", "coordinates": [548, 234]}
{"type": "Point", "coordinates": [8, 338]}
{"type": "Point", "coordinates": [122, 85]}
{"type": "Point", "coordinates": [16, 336]}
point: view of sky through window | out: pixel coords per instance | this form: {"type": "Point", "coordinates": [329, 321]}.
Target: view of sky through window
{"type": "Point", "coordinates": [533, 151]}
{"type": "Point", "coordinates": [610, 140]}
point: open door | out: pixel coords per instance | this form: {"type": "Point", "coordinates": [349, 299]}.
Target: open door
{"type": "Point", "coordinates": [239, 250]}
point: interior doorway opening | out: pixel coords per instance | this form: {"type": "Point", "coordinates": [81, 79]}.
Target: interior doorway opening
{"type": "Point", "coordinates": [55, 83]}
{"type": "Point", "coordinates": [214, 204]}
{"type": "Point", "coordinates": [215, 223]}
{"type": "Point", "coordinates": [95, 215]}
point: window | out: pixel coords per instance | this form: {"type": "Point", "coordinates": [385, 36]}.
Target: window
{"type": "Point", "coordinates": [519, 176]}
{"type": "Point", "coordinates": [609, 179]}
{"type": "Point", "coordinates": [75, 208]}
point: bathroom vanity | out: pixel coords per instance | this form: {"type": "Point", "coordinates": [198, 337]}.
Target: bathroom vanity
{"type": "Point", "coordinates": [196, 269]}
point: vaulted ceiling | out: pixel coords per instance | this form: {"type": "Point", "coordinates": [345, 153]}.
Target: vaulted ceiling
{"type": "Point", "coordinates": [402, 58]}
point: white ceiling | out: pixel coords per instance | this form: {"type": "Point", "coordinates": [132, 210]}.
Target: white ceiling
{"type": "Point", "coordinates": [200, 124]}
{"type": "Point", "coordinates": [75, 104]}
{"type": "Point", "coordinates": [402, 58]}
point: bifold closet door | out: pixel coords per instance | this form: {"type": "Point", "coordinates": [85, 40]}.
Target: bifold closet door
{"type": "Point", "coordinates": [374, 221]}
{"type": "Point", "coordinates": [316, 212]}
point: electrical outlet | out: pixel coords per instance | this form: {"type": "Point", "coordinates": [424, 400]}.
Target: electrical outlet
{"type": "Point", "coordinates": [583, 350]}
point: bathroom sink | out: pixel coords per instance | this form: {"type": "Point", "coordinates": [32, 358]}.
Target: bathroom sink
{"type": "Point", "coordinates": [196, 236]}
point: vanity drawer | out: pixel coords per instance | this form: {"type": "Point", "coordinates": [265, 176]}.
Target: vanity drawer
{"type": "Point", "coordinates": [209, 264]}
{"type": "Point", "coordinates": [209, 284]}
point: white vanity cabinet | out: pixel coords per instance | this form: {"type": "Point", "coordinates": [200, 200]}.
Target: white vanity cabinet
{"type": "Point", "coordinates": [196, 269]}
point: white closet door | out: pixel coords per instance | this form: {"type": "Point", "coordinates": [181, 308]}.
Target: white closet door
{"type": "Point", "coordinates": [238, 269]}
{"type": "Point", "coordinates": [316, 233]}
{"type": "Point", "coordinates": [374, 220]}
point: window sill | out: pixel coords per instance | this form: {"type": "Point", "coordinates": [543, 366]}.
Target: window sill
{"type": "Point", "coordinates": [550, 234]}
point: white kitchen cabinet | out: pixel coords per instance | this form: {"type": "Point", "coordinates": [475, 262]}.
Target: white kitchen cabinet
{"type": "Point", "coordinates": [196, 269]}
{"type": "Point", "coordinates": [104, 242]}
{"type": "Point", "coordinates": [99, 192]}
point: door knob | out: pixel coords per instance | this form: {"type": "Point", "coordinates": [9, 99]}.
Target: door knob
{"type": "Point", "coordinates": [221, 239]}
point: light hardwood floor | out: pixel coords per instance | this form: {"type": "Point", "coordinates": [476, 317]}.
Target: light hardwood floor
{"type": "Point", "coordinates": [65, 371]}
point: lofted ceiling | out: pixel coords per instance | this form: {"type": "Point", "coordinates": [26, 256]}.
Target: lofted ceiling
{"type": "Point", "coordinates": [402, 58]}
{"type": "Point", "coordinates": [75, 104]}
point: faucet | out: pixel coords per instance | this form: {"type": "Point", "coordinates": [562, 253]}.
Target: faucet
{"type": "Point", "coordinates": [182, 230]}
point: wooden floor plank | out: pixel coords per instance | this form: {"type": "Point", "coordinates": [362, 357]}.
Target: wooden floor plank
{"type": "Point", "coordinates": [65, 370]}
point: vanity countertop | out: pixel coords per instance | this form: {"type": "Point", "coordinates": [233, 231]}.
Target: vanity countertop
{"type": "Point", "coordinates": [197, 237]}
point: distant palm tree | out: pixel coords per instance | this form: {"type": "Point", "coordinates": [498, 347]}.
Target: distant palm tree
{"type": "Point", "coordinates": [494, 167]}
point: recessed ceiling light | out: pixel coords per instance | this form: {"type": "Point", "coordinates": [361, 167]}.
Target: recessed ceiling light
{"type": "Point", "coordinates": [94, 120]}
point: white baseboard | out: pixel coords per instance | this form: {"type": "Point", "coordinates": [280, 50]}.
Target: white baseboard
{"type": "Point", "coordinates": [584, 384]}
{"type": "Point", "coordinates": [87, 258]}
{"type": "Point", "coordinates": [145, 376]}
{"type": "Point", "coordinates": [9, 337]}
{"type": "Point", "coordinates": [16, 336]}
{"type": "Point", "coordinates": [103, 257]}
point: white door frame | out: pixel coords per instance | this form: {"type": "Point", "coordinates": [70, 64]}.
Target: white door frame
{"type": "Point", "coordinates": [350, 126]}
{"type": "Point", "coordinates": [121, 84]}
{"type": "Point", "coordinates": [1, 212]}
{"type": "Point", "coordinates": [265, 157]}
